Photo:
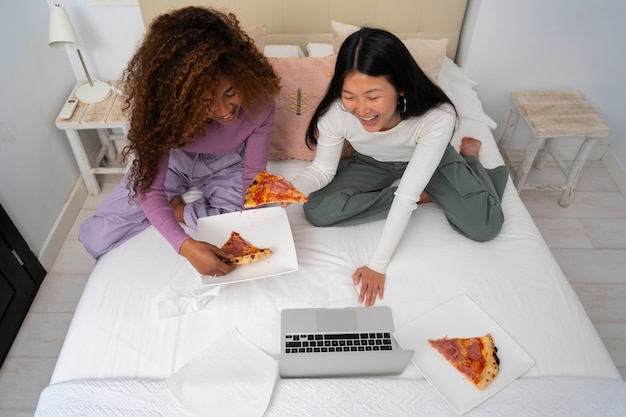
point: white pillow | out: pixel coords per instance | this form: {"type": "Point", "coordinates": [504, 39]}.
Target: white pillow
{"type": "Point", "coordinates": [428, 53]}
{"type": "Point", "coordinates": [460, 89]}
{"type": "Point", "coordinates": [319, 49]}
{"type": "Point", "coordinates": [283, 51]}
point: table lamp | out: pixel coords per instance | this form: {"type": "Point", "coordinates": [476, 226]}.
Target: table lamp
{"type": "Point", "coordinates": [62, 36]}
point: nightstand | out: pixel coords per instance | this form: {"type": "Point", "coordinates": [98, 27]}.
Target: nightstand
{"type": "Point", "coordinates": [552, 115]}
{"type": "Point", "coordinates": [102, 117]}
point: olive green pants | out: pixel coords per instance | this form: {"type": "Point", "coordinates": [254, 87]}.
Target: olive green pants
{"type": "Point", "coordinates": [468, 194]}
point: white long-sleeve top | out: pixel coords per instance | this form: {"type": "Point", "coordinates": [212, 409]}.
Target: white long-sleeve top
{"type": "Point", "coordinates": [420, 141]}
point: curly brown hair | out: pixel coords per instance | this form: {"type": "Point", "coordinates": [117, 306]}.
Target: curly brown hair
{"type": "Point", "coordinates": [178, 63]}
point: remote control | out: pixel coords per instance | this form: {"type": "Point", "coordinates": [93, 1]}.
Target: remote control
{"type": "Point", "coordinates": [68, 108]}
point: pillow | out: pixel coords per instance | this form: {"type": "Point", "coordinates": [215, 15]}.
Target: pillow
{"type": "Point", "coordinates": [310, 76]}
{"type": "Point", "coordinates": [283, 51]}
{"type": "Point", "coordinates": [257, 34]}
{"type": "Point", "coordinates": [428, 53]}
{"type": "Point", "coordinates": [460, 89]}
{"type": "Point", "coordinates": [319, 49]}
{"type": "Point", "coordinates": [340, 32]}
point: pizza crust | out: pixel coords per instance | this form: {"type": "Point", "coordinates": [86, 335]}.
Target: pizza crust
{"type": "Point", "coordinates": [492, 361]}
{"type": "Point", "coordinates": [242, 251]}
{"type": "Point", "coordinates": [248, 259]}
{"type": "Point", "coordinates": [474, 357]}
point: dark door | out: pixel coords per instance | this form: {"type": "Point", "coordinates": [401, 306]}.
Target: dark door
{"type": "Point", "coordinates": [21, 275]}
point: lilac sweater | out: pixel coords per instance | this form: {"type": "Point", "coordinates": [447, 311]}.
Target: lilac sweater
{"type": "Point", "coordinates": [250, 128]}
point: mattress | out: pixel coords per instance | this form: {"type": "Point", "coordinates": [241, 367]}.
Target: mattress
{"type": "Point", "coordinates": [118, 333]}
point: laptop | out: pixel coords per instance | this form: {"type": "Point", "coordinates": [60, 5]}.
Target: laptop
{"type": "Point", "coordinates": [332, 342]}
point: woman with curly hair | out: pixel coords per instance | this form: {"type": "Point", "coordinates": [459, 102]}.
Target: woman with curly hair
{"type": "Point", "coordinates": [201, 108]}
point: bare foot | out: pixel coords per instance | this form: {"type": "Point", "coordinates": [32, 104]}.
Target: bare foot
{"type": "Point", "coordinates": [470, 146]}
{"type": "Point", "coordinates": [424, 198]}
{"type": "Point", "coordinates": [178, 206]}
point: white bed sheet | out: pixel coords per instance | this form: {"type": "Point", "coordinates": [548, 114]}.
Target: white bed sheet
{"type": "Point", "coordinates": [117, 333]}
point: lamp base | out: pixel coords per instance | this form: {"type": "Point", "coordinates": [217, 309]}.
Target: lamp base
{"type": "Point", "coordinates": [95, 93]}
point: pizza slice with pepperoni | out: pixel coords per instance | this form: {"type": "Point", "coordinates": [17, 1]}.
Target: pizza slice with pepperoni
{"type": "Point", "coordinates": [243, 251]}
{"type": "Point", "coordinates": [268, 188]}
{"type": "Point", "coordinates": [474, 357]}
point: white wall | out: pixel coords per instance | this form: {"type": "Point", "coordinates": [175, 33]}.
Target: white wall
{"type": "Point", "coordinates": [108, 36]}
{"type": "Point", "coordinates": [557, 44]}
{"type": "Point", "coordinates": [37, 170]}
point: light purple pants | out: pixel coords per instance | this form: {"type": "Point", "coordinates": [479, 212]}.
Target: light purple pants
{"type": "Point", "coordinates": [216, 176]}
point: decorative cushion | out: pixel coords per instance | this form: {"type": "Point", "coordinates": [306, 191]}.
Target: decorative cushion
{"type": "Point", "coordinates": [257, 34]}
{"type": "Point", "coordinates": [340, 32]}
{"type": "Point", "coordinates": [304, 82]}
{"type": "Point", "coordinates": [428, 53]}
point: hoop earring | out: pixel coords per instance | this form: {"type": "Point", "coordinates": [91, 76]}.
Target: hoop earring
{"type": "Point", "coordinates": [402, 104]}
{"type": "Point", "coordinates": [342, 107]}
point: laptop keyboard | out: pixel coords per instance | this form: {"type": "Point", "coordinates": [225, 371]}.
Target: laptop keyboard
{"type": "Point", "coordinates": [337, 342]}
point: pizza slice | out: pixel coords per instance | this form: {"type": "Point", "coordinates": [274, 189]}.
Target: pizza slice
{"type": "Point", "coordinates": [269, 188]}
{"type": "Point", "coordinates": [243, 251]}
{"type": "Point", "coordinates": [474, 357]}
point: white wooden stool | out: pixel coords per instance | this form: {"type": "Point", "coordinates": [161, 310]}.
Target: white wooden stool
{"type": "Point", "coordinates": [550, 115]}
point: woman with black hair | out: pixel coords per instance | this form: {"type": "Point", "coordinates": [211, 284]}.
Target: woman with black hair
{"type": "Point", "coordinates": [399, 124]}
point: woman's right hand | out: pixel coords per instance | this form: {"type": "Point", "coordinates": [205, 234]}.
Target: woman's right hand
{"type": "Point", "coordinates": [206, 257]}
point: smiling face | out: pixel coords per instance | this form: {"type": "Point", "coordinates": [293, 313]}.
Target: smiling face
{"type": "Point", "coordinates": [225, 107]}
{"type": "Point", "coordinates": [372, 100]}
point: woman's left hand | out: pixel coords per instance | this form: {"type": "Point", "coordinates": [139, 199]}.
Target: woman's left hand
{"type": "Point", "coordinates": [372, 285]}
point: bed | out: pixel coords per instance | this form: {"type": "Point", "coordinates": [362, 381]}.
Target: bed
{"type": "Point", "coordinates": [144, 316]}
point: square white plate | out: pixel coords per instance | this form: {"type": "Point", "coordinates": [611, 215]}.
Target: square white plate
{"type": "Point", "coordinates": [264, 228]}
{"type": "Point", "coordinates": [461, 317]}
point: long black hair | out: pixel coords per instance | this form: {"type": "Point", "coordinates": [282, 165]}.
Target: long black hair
{"type": "Point", "coordinates": [377, 52]}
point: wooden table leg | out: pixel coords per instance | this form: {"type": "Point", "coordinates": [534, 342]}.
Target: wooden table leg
{"type": "Point", "coordinates": [82, 160]}
{"type": "Point", "coordinates": [105, 141]}
{"type": "Point", "coordinates": [543, 158]}
{"type": "Point", "coordinates": [574, 171]}
{"type": "Point", "coordinates": [504, 140]}
{"type": "Point", "coordinates": [511, 123]}
{"type": "Point", "coordinates": [524, 167]}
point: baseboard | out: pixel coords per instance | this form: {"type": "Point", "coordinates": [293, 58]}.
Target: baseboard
{"type": "Point", "coordinates": [52, 246]}
{"type": "Point", "coordinates": [73, 204]}
{"type": "Point", "coordinates": [615, 168]}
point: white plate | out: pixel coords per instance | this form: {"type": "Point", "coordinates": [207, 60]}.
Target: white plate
{"type": "Point", "coordinates": [460, 317]}
{"type": "Point", "coordinates": [264, 228]}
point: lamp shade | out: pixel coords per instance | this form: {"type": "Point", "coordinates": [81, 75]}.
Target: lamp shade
{"type": "Point", "coordinates": [62, 34]}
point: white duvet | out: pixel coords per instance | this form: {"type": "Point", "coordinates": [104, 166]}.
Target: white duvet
{"type": "Point", "coordinates": [117, 333]}
{"type": "Point", "coordinates": [556, 397]}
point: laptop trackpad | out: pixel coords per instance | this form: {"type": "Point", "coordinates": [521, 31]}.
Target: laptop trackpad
{"type": "Point", "coordinates": [336, 320]}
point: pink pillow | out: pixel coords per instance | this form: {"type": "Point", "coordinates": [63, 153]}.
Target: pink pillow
{"type": "Point", "coordinates": [310, 77]}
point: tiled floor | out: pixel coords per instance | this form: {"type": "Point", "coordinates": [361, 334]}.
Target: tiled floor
{"type": "Point", "coordinates": [588, 240]}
